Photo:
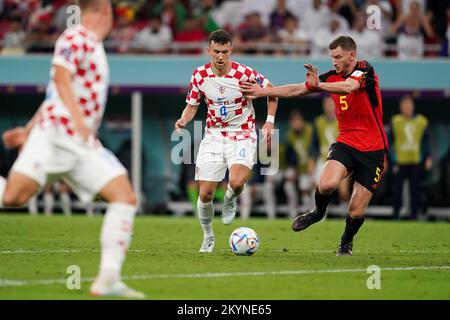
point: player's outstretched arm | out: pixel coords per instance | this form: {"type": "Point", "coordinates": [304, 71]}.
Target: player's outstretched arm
{"type": "Point", "coordinates": [253, 91]}
{"type": "Point", "coordinates": [188, 114]}
{"type": "Point", "coordinates": [16, 137]}
{"type": "Point", "coordinates": [63, 82]}
{"type": "Point", "coordinates": [341, 87]}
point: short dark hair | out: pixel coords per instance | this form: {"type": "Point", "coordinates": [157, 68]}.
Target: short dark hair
{"type": "Point", "coordinates": [345, 42]}
{"type": "Point", "coordinates": [220, 36]}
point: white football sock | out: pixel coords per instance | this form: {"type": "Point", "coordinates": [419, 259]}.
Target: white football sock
{"type": "Point", "coordinates": [66, 203]}
{"type": "Point", "coordinates": [230, 194]}
{"type": "Point", "coordinates": [115, 238]}
{"type": "Point", "coordinates": [205, 215]}
{"type": "Point", "coordinates": [2, 190]}
{"type": "Point", "coordinates": [33, 205]}
{"type": "Point", "coordinates": [270, 199]}
{"type": "Point", "coordinates": [246, 203]}
{"type": "Point", "coordinates": [49, 202]}
{"type": "Point", "coordinates": [292, 198]}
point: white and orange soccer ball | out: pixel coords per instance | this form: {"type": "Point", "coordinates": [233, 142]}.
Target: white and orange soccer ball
{"type": "Point", "coordinates": [244, 241]}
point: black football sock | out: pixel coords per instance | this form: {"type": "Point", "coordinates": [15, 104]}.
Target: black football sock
{"type": "Point", "coordinates": [352, 226]}
{"type": "Point", "coordinates": [322, 201]}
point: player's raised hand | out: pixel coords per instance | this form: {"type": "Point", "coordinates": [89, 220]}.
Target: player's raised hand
{"type": "Point", "coordinates": [180, 124]}
{"type": "Point", "coordinates": [311, 75]}
{"type": "Point", "coordinates": [15, 138]}
{"type": "Point", "coordinates": [251, 90]}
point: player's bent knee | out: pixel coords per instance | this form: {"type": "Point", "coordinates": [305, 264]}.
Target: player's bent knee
{"type": "Point", "coordinates": [237, 183]}
{"type": "Point", "coordinates": [131, 199]}
{"type": "Point", "coordinates": [12, 200]}
{"type": "Point", "coordinates": [327, 187]}
{"type": "Point", "coordinates": [356, 210]}
{"type": "Point", "coordinates": [206, 196]}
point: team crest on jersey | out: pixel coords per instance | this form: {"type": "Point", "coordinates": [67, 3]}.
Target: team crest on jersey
{"type": "Point", "coordinates": [221, 90]}
{"type": "Point", "coordinates": [66, 53]}
{"type": "Point", "coordinates": [259, 80]}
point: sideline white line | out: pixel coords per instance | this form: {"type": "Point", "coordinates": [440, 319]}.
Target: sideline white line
{"type": "Point", "coordinates": [18, 283]}
{"type": "Point", "coordinates": [26, 251]}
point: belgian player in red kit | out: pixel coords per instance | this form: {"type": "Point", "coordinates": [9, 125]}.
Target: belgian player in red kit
{"type": "Point", "coordinates": [361, 146]}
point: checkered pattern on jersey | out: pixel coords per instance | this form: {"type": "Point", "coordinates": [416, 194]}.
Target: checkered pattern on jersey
{"type": "Point", "coordinates": [77, 51]}
{"type": "Point", "coordinates": [230, 114]}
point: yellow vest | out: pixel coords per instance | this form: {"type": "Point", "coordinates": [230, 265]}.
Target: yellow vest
{"type": "Point", "coordinates": [408, 134]}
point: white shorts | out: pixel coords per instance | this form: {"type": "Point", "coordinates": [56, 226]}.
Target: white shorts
{"type": "Point", "coordinates": [217, 154]}
{"type": "Point", "coordinates": [50, 154]}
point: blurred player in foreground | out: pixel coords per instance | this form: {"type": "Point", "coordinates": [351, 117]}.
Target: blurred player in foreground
{"type": "Point", "coordinates": [230, 134]}
{"type": "Point", "coordinates": [361, 146]}
{"type": "Point", "coordinates": [60, 142]}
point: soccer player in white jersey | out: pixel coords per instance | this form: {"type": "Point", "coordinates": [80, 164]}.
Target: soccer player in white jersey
{"type": "Point", "coordinates": [60, 142]}
{"type": "Point", "coordinates": [230, 134]}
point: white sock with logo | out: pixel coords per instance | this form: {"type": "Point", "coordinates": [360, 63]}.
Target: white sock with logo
{"type": "Point", "coordinates": [115, 238]}
{"type": "Point", "coordinates": [206, 215]}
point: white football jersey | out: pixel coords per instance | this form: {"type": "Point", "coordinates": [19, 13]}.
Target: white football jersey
{"type": "Point", "coordinates": [82, 53]}
{"type": "Point", "coordinates": [230, 114]}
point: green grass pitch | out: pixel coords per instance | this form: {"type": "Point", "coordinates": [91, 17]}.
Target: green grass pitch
{"type": "Point", "coordinates": [163, 262]}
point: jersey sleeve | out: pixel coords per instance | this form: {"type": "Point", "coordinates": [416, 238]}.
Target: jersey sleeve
{"type": "Point", "coordinates": [324, 76]}
{"type": "Point", "coordinates": [193, 96]}
{"type": "Point", "coordinates": [70, 51]}
{"type": "Point", "coordinates": [364, 74]}
{"type": "Point", "coordinates": [259, 78]}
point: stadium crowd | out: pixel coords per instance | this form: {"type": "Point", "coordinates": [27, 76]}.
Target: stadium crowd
{"type": "Point", "coordinates": [406, 29]}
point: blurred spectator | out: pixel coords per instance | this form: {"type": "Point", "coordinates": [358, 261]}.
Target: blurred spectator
{"type": "Point", "coordinates": [316, 17]}
{"type": "Point", "coordinates": [300, 138]}
{"type": "Point", "coordinates": [250, 33]}
{"type": "Point", "coordinates": [205, 13]}
{"type": "Point", "coordinates": [438, 14]}
{"type": "Point", "coordinates": [14, 39]}
{"type": "Point", "coordinates": [172, 14]}
{"type": "Point", "coordinates": [279, 16]}
{"type": "Point", "coordinates": [346, 9]}
{"type": "Point", "coordinates": [321, 39]}
{"type": "Point", "coordinates": [263, 7]}
{"type": "Point", "coordinates": [412, 29]}
{"type": "Point", "coordinates": [406, 6]}
{"type": "Point", "coordinates": [123, 32]}
{"type": "Point", "coordinates": [43, 34]}
{"type": "Point", "coordinates": [410, 149]}
{"type": "Point", "coordinates": [192, 32]}
{"type": "Point", "coordinates": [293, 34]}
{"type": "Point", "coordinates": [369, 44]}
{"type": "Point", "coordinates": [154, 38]}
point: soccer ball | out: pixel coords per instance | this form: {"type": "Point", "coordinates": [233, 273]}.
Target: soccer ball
{"type": "Point", "coordinates": [244, 241]}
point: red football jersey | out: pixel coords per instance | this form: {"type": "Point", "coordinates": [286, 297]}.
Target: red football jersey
{"type": "Point", "coordinates": [360, 113]}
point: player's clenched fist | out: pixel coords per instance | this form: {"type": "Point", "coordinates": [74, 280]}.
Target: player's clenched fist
{"type": "Point", "coordinates": [180, 124]}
